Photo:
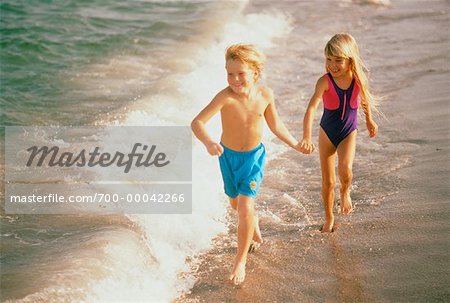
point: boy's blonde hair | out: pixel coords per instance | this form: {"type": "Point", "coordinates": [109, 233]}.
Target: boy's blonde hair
{"type": "Point", "coordinates": [343, 45]}
{"type": "Point", "coordinates": [247, 53]}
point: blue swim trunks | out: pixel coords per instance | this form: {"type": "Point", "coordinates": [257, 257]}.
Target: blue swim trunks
{"type": "Point", "coordinates": [242, 172]}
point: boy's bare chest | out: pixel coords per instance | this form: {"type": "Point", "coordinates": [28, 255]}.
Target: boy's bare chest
{"type": "Point", "coordinates": [248, 110]}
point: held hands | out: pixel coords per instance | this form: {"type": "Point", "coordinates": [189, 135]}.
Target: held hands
{"type": "Point", "coordinates": [214, 149]}
{"type": "Point", "coordinates": [305, 146]}
{"type": "Point", "coordinates": [372, 127]}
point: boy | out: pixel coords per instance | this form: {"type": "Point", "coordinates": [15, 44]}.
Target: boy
{"type": "Point", "coordinates": [243, 106]}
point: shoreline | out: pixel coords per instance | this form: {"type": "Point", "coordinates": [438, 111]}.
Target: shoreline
{"type": "Point", "coordinates": [394, 247]}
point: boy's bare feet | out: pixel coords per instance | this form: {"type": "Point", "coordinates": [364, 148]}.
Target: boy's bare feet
{"type": "Point", "coordinates": [237, 274]}
{"type": "Point", "coordinates": [254, 246]}
{"type": "Point", "coordinates": [257, 237]}
{"type": "Point", "coordinates": [346, 204]}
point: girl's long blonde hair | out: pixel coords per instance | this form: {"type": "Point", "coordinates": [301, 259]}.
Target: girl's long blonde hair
{"type": "Point", "coordinates": [343, 45]}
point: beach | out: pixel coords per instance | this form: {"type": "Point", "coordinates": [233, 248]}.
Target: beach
{"type": "Point", "coordinates": [394, 247]}
{"type": "Point", "coordinates": [157, 63]}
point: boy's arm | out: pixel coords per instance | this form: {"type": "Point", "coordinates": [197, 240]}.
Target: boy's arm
{"type": "Point", "coordinates": [372, 127]}
{"type": "Point", "coordinates": [198, 125]}
{"type": "Point", "coordinates": [306, 145]}
{"type": "Point", "coordinates": [275, 124]}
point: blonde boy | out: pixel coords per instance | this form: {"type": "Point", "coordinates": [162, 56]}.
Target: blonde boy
{"type": "Point", "coordinates": [243, 106]}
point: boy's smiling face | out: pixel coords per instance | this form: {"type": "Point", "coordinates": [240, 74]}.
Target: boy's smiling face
{"type": "Point", "coordinates": [241, 77]}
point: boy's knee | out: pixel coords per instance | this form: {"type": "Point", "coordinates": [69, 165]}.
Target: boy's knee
{"type": "Point", "coordinates": [246, 208]}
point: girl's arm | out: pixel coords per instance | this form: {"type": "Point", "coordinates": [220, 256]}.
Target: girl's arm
{"type": "Point", "coordinates": [372, 127]}
{"type": "Point", "coordinates": [275, 124]}
{"type": "Point", "coordinates": [306, 145]}
{"type": "Point", "coordinates": [198, 124]}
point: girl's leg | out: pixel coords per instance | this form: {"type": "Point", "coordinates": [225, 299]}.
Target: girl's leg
{"type": "Point", "coordinates": [327, 161]}
{"type": "Point", "coordinates": [346, 155]}
{"type": "Point", "coordinates": [257, 237]}
{"type": "Point", "coordinates": [246, 212]}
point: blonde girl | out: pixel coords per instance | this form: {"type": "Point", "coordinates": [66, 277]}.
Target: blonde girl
{"type": "Point", "coordinates": [343, 89]}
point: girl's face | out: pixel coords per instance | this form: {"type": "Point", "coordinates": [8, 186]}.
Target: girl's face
{"type": "Point", "coordinates": [338, 66]}
{"type": "Point", "coordinates": [241, 77]}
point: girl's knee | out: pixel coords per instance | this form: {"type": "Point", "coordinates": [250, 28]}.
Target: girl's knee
{"type": "Point", "coordinates": [328, 184]}
{"type": "Point", "coordinates": [345, 173]}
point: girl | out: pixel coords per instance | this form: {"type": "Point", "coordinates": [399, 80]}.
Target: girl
{"type": "Point", "coordinates": [343, 88]}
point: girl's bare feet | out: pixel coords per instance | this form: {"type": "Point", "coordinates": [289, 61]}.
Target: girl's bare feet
{"type": "Point", "coordinates": [328, 227]}
{"type": "Point", "coordinates": [346, 204]}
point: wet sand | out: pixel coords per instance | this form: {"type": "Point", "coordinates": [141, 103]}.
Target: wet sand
{"type": "Point", "coordinates": [394, 252]}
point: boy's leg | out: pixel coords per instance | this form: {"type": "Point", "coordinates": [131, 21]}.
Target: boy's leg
{"type": "Point", "coordinates": [257, 237]}
{"type": "Point", "coordinates": [233, 202]}
{"type": "Point", "coordinates": [327, 159]}
{"type": "Point", "coordinates": [246, 212]}
{"type": "Point", "coordinates": [346, 155]}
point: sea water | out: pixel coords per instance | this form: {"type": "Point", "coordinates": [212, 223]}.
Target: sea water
{"type": "Point", "coordinates": [123, 63]}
